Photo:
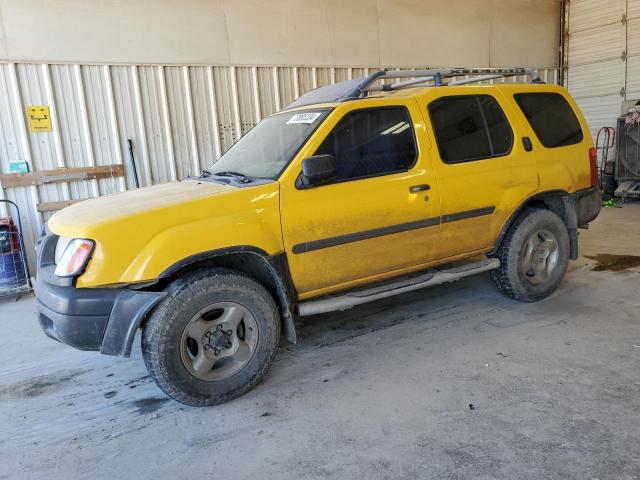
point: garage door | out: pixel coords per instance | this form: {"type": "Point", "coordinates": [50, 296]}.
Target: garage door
{"type": "Point", "coordinates": [597, 59]}
{"type": "Point", "coordinates": [633, 50]}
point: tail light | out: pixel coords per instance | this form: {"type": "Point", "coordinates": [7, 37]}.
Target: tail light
{"type": "Point", "coordinates": [593, 163]}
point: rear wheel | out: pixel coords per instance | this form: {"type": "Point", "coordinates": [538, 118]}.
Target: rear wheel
{"type": "Point", "coordinates": [533, 256]}
{"type": "Point", "coordinates": [212, 338]}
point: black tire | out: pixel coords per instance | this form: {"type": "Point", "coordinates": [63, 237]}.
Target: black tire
{"type": "Point", "coordinates": [163, 334]}
{"type": "Point", "coordinates": [511, 278]}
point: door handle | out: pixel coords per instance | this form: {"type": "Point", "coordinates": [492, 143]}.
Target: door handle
{"type": "Point", "coordinates": [419, 188]}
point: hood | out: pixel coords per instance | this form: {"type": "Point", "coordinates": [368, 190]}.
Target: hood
{"type": "Point", "coordinates": [73, 219]}
{"type": "Point", "coordinates": [141, 233]}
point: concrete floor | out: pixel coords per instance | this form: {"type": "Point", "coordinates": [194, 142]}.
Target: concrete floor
{"type": "Point", "coordinates": [453, 382]}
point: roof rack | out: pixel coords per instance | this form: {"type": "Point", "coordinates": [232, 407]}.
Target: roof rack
{"type": "Point", "coordinates": [358, 88]}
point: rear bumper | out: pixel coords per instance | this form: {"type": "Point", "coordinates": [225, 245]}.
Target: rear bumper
{"type": "Point", "coordinates": [588, 203]}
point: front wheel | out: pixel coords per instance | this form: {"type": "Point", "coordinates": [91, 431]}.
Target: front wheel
{"type": "Point", "coordinates": [212, 338]}
{"type": "Point", "coordinates": [533, 256]}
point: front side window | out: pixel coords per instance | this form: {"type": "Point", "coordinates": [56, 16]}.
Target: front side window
{"type": "Point", "coordinates": [371, 142]}
{"type": "Point", "coordinates": [551, 118]}
{"type": "Point", "coordinates": [269, 146]}
{"type": "Point", "coordinates": [470, 127]}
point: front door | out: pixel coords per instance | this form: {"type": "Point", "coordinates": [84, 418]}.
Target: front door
{"type": "Point", "coordinates": [379, 217]}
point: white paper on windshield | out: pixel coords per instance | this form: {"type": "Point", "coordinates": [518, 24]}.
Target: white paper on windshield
{"type": "Point", "coordinates": [306, 117]}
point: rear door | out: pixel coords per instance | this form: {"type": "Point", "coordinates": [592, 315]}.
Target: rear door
{"type": "Point", "coordinates": [481, 164]}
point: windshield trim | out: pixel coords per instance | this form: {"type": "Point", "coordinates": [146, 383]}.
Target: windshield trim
{"type": "Point", "coordinates": [325, 112]}
{"type": "Point", "coordinates": [328, 111]}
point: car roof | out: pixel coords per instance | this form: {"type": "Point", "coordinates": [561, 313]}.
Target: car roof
{"type": "Point", "coordinates": [423, 91]}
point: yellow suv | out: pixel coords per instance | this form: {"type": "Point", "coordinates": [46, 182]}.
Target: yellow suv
{"type": "Point", "coordinates": [355, 192]}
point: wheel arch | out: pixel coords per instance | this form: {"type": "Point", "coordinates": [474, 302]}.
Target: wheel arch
{"type": "Point", "coordinates": [272, 271]}
{"type": "Point", "coordinates": [558, 201]}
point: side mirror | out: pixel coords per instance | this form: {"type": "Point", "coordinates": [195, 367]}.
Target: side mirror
{"type": "Point", "coordinates": [318, 170]}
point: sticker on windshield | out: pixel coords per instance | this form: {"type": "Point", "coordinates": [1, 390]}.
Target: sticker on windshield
{"type": "Point", "coordinates": [306, 117]}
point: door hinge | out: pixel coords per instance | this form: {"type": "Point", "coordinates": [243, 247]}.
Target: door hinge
{"type": "Point", "coordinates": [623, 92]}
{"type": "Point", "coordinates": [623, 20]}
{"type": "Point", "coordinates": [623, 57]}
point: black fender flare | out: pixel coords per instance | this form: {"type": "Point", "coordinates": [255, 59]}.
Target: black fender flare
{"type": "Point", "coordinates": [129, 309]}
{"type": "Point", "coordinates": [558, 201]}
{"type": "Point", "coordinates": [274, 267]}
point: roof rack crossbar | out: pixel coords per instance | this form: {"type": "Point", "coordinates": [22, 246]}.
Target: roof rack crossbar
{"type": "Point", "coordinates": [433, 75]}
{"type": "Point", "coordinates": [368, 81]}
{"type": "Point", "coordinates": [480, 78]}
{"type": "Point", "coordinates": [456, 72]}
{"type": "Point", "coordinates": [397, 85]}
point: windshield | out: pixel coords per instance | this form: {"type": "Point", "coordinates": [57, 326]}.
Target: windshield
{"type": "Point", "coordinates": [268, 147]}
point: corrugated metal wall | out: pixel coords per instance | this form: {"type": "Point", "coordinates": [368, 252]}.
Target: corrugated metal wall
{"type": "Point", "coordinates": [180, 118]}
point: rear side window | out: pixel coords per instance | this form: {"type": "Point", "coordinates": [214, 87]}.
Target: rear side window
{"type": "Point", "coordinates": [372, 142]}
{"type": "Point", "coordinates": [551, 118]}
{"type": "Point", "coordinates": [470, 127]}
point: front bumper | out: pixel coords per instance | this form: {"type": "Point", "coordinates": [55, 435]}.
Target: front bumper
{"type": "Point", "coordinates": [101, 319]}
{"type": "Point", "coordinates": [104, 319]}
{"type": "Point", "coordinates": [75, 316]}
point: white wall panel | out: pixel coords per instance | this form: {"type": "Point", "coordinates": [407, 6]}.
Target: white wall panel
{"type": "Point", "coordinates": [248, 112]}
{"type": "Point", "coordinates": [228, 130]}
{"type": "Point", "coordinates": [129, 120]}
{"type": "Point", "coordinates": [323, 75]}
{"type": "Point", "coordinates": [286, 84]}
{"type": "Point", "coordinates": [102, 123]}
{"type": "Point", "coordinates": [267, 89]}
{"type": "Point", "coordinates": [205, 115]}
{"type": "Point", "coordinates": [181, 122]}
{"type": "Point", "coordinates": [14, 145]}
{"type": "Point", "coordinates": [76, 148]}
{"type": "Point", "coordinates": [156, 121]}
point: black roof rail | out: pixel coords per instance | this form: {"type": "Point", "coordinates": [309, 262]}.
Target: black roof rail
{"type": "Point", "coordinates": [358, 88]}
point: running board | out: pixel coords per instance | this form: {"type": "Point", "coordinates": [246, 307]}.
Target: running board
{"type": "Point", "coordinates": [358, 297]}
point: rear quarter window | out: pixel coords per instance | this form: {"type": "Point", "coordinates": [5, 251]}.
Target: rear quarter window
{"type": "Point", "coordinates": [551, 117]}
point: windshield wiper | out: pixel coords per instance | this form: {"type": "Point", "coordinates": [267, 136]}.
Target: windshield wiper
{"type": "Point", "coordinates": [237, 175]}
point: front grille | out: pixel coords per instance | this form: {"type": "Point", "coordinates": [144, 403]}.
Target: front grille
{"type": "Point", "coordinates": [46, 248]}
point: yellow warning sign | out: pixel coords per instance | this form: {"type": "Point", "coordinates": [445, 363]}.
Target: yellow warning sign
{"type": "Point", "coordinates": [38, 118]}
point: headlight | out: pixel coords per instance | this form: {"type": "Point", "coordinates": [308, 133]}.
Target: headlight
{"type": "Point", "coordinates": [72, 256]}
